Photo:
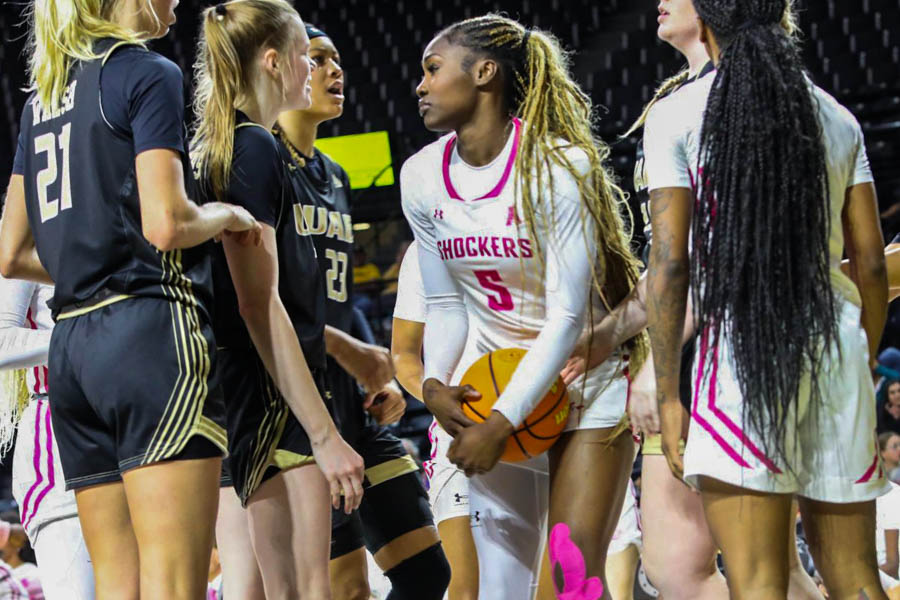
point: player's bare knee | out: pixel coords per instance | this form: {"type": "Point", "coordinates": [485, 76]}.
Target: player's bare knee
{"type": "Point", "coordinates": [351, 588]}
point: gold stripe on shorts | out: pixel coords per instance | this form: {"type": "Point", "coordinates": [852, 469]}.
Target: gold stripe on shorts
{"type": "Point", "coordinates": [83, 311]}
{"type": "Point", "coordinates": [182, 417]}
{"type": "Point", "coordinates": [391, 469]}
{"type": "Point", "coordinates": [285, 459]}
{"type": "Point", "coordinates": [265, 445]}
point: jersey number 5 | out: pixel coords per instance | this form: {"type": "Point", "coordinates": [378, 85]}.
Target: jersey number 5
{"type": "Point", "coordinates": [336, 276]}
{"type": "Point", "coordinates": [46, 177]}
{"type": "Point", "coordinates": [500, 299]}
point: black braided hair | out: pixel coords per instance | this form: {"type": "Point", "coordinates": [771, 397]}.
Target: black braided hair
{"type": "Point", "coordinates": [760, 266]}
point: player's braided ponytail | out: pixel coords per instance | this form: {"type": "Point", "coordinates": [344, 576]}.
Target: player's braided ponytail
{"type": "Point", "coordinates": [233, 34]}
{"type": "Point", "coordinates": [556, 114]}
{"type": "Point", "coordinates": [760, 265]}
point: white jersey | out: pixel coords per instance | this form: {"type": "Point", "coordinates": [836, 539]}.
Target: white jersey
{"type": "Point", "coordinates": [38, 485]}
{"type": "Point", "coordinates": [887, 516]}
{"type": "Point", "coordinates": [481, 274]}
{"type": "Point", "coordinates": [672, 149]}
{"type": "Point", "coordinates": [25, 326]}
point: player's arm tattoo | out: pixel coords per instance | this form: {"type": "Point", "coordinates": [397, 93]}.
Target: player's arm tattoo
{"type": "Point", "coordinates": [668, 278]}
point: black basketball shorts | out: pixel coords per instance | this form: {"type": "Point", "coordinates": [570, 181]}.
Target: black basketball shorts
{"type": "Point", "coordinates": [133, 384]}
{"type": "Point", "coordinates": [264, 437]}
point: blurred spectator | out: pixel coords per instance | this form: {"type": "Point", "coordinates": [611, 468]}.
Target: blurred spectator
{"type": "Point", "coordinates": [887, 530]}
{"type": "Point", "coordinates": [18, 554]}
{"type": "Point", "coordinates": [889, 403]}
{"type": "Point", "coordinates": [364, 272]}
{"type": "Point", "coordinates": [393, 272]}
{"type": "Point", "coordinates": [889, 447]}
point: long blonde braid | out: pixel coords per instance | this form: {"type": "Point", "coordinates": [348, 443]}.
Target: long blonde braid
{"type": "Point", "coordinates": [556, 115]}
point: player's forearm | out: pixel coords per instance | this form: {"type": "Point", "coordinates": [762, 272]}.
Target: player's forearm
{"type": "Point", "coordinates": [872, 282]}
{"type": "Point", "coordinates": [410, 373]}
{"type": "Point", "coordinates": [23, 348]}
{"type": "Point", "coordinates": [540, 367]}
{"type": "Point", "coordinates": [626, 320]}
{"type": "Point", "coordinates": [276, 341]}
{"type": "Point", "coordinates": [667, 286]}
{"type": "Point", "coordinates": [446, 329]}
{"type": "Point", "coordinates": [340, 345]}
{"type": "Point", "coordinates": [197, 224]}
{"type": "Point", "coordinates": [25, 264]}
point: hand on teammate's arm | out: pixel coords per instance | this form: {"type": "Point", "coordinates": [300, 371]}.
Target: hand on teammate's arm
{"type": "Point", "coordinates": [372, 366]}
{"type": "Point", "coordinates": [668, 278]}
{"type": "Point", "coordinates": [18, 255]}
{"type": "Point", "coordinates": [254, 271]}
{"type": "Point", "coordinates": [171, 220]}
{"type": "Point", "coordinates": [865, 249]}
{"type": "Point", "coordinates": [388, 405]}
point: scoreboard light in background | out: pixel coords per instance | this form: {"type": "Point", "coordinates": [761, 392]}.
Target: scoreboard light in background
{"type": "Point", "coordinates": [365, 156]}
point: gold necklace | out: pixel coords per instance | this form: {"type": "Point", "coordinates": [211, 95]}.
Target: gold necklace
{"type": "Point", "coordinates": [295, 154]}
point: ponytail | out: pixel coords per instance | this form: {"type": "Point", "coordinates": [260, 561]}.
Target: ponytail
{"type": "Point", "coordinates": [232, 36]}
{"type": "Point", "coordinates": [62, 32]}
{"type": "Point", "coordinates": [541, 92]}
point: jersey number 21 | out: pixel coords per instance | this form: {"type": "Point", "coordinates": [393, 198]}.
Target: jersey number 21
{"type": "Point", "coordinates": [48, 176]}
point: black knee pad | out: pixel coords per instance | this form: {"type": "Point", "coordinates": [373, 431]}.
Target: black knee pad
{"type": "Point", "coordinates": [424, 576]}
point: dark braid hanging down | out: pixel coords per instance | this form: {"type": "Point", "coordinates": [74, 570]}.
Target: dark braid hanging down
{"type": "Point", "coordinates": [760, 270]}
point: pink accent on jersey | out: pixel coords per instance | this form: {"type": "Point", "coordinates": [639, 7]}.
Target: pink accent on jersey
{"type": "Point", "coordinates": [867, 476]}
{"type": "Point", "coordinates": [725, 419]}
{"type": "Point", "coordinates": [37, 465]}
{"type": "Point", "coordinates": [493, 246]}
{"type": "Point", "coordinates": [731, 425]}
{"type": "Point", "coordinates": [40, 387]}
{"type": "Point", "coordinates": [51, 473]}
{"type": "Point", "coordinates": [695, 414]}
{"type": "Point", "coordinates": [445, 167]}
{"type": "Point", "coordinates": [564, 552]}
{"type": "Point", "coordinates": [428, 465]}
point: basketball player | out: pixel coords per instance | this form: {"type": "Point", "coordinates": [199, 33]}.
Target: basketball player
{"type": "Point", "coordinates": [285, 453]}
{"type": "Point", "coordinates": [100, 193]}
{"type": "Point", "coordinates": [687, 569]}
{"type": "Point", "coordinates": [394, 521]}
{"type": "Point", "coordinates": [448, 487]}
{"type": "Point", "coordinates": [783, 398]}
{"type": "Point", "coordinates": [528, 271]}
{"type": "Point", "coordinates": [47, 511]}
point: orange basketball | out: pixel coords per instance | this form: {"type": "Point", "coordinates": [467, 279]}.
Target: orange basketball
{"type": "Point", "coordinates": [489, 375]}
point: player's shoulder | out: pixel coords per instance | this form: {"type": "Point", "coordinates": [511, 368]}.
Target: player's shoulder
{"type": "Point", "coordinates": [253, 139]}
{"type": "Point", "coordinates": [136, 61]}
{"type": "Point", "coordinates": [677, 109]}
{"type": "Point", "coordinates": [836, 118]}
{"type": "Point", "coordinates": [426, 163]}
{"type": "Point", "coordinates": [333, 166]}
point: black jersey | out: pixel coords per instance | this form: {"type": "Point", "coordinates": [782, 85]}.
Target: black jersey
{"type": "Point", "coordinates": [322, 213]}
{"type": "Point", "coordinates": [261, 184]}
{"type": "Point", "coordinates": [640, 176]}
{"type": "Point", "coordinates": [82, 198]}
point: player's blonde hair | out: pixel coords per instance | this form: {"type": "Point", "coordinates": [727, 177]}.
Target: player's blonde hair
{"type": "Point", "coordinates": [233, 34]}
{"type": "Point", "coordinates": [556, 115]}
{"type": "Point", "coordinates": [14, 398]}
{"type": "Point", "coordinates": [64, 31]}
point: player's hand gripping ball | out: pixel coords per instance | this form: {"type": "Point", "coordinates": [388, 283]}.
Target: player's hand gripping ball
{"type": "Point", "coordinates": [489, 375]}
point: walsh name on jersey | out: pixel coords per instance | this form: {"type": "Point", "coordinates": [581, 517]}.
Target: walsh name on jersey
{"type": "Point", "coordinates": [312, 220]}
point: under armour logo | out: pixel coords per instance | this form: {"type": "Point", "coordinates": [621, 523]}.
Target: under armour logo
{"type": "Point", "coordinates": [438, 213]}
{"type": "Point", "coordinates": [476, 516]}
{"type": "Point", "coordinates": [512, 217]}
{"type": "Point", "coordinates": [458, 498]}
